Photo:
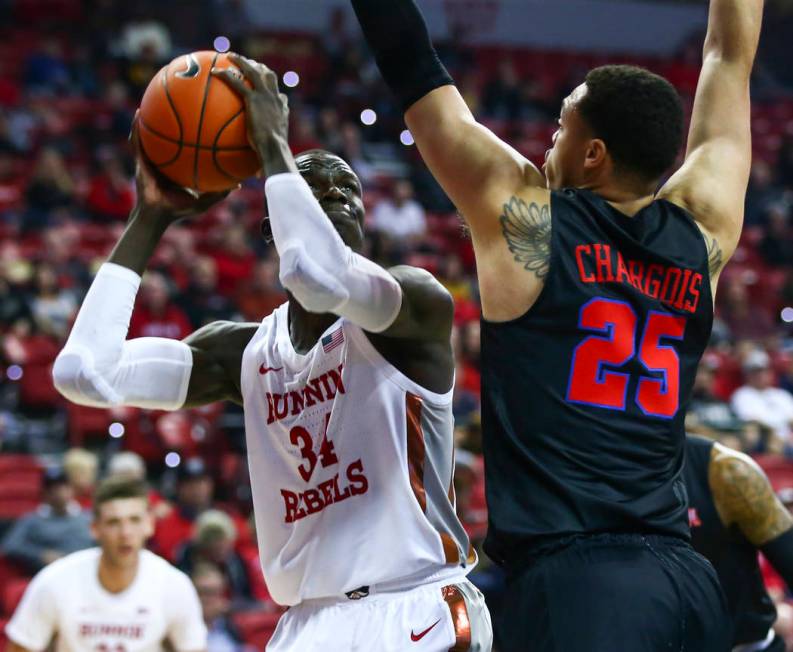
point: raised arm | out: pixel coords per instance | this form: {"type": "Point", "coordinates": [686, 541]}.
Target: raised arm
{"type": "Point", "coordinates": [477, 170]}
{"type": "Point", "coordinates": [712, 182]}
{"type": "Point", "coordinates": [744, 497]}
{"type": "Point", "coordinates": [99, 367]}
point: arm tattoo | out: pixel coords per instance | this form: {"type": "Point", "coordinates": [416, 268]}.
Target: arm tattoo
{"type": "Point", "coordinates": [715, 256]}
{"type": "Point", "coordinates": [744, 496]}
{"type": "Point", "coordinates": [527, 230]}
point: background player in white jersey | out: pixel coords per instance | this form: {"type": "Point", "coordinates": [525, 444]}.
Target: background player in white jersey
{"type": "Point", "coordinates": [114, 598]}
{"type": "Point", "coordinates": [347, 393]}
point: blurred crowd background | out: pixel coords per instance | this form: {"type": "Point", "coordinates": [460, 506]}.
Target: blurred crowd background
{"type": "Point", "coordinates": [71, 76]}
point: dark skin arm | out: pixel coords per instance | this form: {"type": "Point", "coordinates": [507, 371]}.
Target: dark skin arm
{"type": "Point", "coordinates": [418, 341]}
{"type": "Point", "coordinates": [744, 497]}
{"type": "Point", "coordinates": [216, 348]}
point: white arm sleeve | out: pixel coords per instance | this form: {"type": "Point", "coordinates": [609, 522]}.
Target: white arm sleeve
{"type": "Point", "coordinates": [322, 272]}
{"type": "Point", "coordinates": [100, 368]}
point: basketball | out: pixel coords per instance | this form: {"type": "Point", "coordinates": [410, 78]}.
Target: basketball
{"type": "Point", "coordinates": [192, 125]}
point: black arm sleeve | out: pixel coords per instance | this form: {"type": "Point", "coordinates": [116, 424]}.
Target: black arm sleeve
{"type": "Point", "coordinates": [397, 35]}
{"type": "Point", "coordinates": [779, 552]}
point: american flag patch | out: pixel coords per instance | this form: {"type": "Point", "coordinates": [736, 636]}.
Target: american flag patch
{"type": "Point", "coordinates": [330, 342]}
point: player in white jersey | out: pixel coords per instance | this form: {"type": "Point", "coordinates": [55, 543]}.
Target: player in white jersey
{"type": "Point", "coordinates": [114, 598]}
{"type": "Point", "coordinates": [347, 397]}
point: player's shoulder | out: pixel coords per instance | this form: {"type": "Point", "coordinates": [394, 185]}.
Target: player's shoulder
{"type": "Point", "coordinates": [732, 469]}
{"type": "Point", "coordinates": [155, 566]}
{"type": "Point", "coordinates": [416, 280]}
{"type": "Point", "coordinates": [75, 564]}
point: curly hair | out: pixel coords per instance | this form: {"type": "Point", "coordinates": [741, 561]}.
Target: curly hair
{"type": "Point", "coordinates": [638, 115]}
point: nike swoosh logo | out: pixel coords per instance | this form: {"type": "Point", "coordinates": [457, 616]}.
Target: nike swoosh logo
{"type": "Point", "coordinates": [263, 370]}
{"type": "Point", "coordinates": [420, 635]}
{"type": "Point", "coordinates": [191, 70]}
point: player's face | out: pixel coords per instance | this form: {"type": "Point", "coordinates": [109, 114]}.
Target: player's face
{"type": "Point", "coordinates": [122, 527]}
{"type": "Point", "coordinates": [565, 162]}
{"type": "Point", "coordinates": [338, 191]}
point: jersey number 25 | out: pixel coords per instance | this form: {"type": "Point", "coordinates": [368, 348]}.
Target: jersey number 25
{"type": "Point", "coordinates": [616, 322]}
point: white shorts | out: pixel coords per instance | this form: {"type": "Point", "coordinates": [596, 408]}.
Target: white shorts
{"type": "Point", "coordinates": [437, 617]}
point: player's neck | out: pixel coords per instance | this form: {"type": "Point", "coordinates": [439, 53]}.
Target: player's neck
{"type": "Point", "coordinates": [114, 578]}
{"type": "Point", "coordinates": [627, 199]}
{"type": "Point", "coordinates": [306, 327]}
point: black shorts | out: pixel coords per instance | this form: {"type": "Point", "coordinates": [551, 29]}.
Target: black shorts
{"type": "Point", "coordinates": [615, 593]}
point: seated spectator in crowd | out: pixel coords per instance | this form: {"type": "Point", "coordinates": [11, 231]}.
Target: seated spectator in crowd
{"type": "Point", "coordinates": [452, 275]}
{"type": "Point", "coordinates": [262, 293]}
{"type": "Point", "coordinates": [759, 401]}
{"type": "Point", "coordinates": [465, 403]}
{"type": "Point", "coordinates": [130, 465]}
{"type": "Point", "coordinates": [234, 259]}
{"type": "Point", "coordinates": [212, 588]}
{"type": "Point", "coordinates": [56, 528]}
{"type": "Point", "coordinates": [776, 246]}
{"type": "Point", "coordinates": [81, 468]}
{"type": "Point", "coordinates": [194, 492]}
{"type": "Point", "coordinates": [746, 321]}
{"type": "Point", "coordinates": [502, 98]}
{"type": "Point", "coordinates": [53, 308]}
{"type": "Point", "coordinates": [710, 416]}
{"type": "Point", "coordinates": [201, 300]}
{"type": "Point", "coordinates": [213, 542]}
{"type": "Point", "coordinates": [155, 315]}
{"type": "Point", "coordinates": [13, 304]}
{"type": "Point", "coordinates": [50, 187]}
{"type": "Point", "coordinates": [110, 195]}
{"type": "Point", "coordinates": [45, 69]}
{"type": "Point", "coordinates": [400, 218]}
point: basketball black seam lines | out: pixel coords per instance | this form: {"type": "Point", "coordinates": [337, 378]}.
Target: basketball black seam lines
{"type": "Point", "coordinates": [215, 148]}
{"type": "Point", "coordinates": [176, 115]}
{"type": "Point", "coordinates": [201, 120]}
{"type": "Point", "coordinates": [177, 142]}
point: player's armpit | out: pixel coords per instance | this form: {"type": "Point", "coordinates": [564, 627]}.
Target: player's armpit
{"type": "Point", "coordinates": [473, 166]}
{"type": "Point", "coordinates": [744, 496]}
{"type": "Point", "coordinates": [217, 361]}
{"type": "Point", "coordinates": [513, 269]}
{"type": "Point", "coordinates": [427, 310]}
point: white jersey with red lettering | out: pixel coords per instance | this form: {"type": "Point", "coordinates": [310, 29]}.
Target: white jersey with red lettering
{"type": "Point", "coordinates": [67, 601]}
{"type": "Point", "coordinates": [351, 467]}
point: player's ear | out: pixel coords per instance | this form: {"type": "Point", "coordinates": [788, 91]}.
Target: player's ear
{"type": "Point", "coordinates": [596, 153]}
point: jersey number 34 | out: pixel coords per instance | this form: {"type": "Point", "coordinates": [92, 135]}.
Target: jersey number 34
{"type": "Point", "coordinates": [614, 345]}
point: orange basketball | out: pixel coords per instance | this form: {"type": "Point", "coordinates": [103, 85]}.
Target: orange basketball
{"type": "Point", "coordinates": [192, 125]}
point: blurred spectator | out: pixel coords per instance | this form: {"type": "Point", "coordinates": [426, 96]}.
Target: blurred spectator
{"type": "Point", "coordinates": [57, 527]}
{"type": "Point", "coordinates": [110, 195]}
{"type": "Point", "coordinates": [777, 244]}
{"type": "Point", "coordinates": [352, 152]}
{"type": "Point", "coordinates": [53, 308]}
{"type": "Point", "coordinates": [759, 401]}
{"type": "Point", "coordinates": [212, 588]}
{"type": "Point", "coordinates": [127, 464]}
{"type": "Point", "coordinates": [454, 279]}
{"type": "Point", "coordinates": [50, 187]}
{"type": "Point", "coordinates": [465, 403]}
{"type": "Point", "coordinates": [502, 98]}
{"type": "Point", "coordinates": [745, 320]}
{"type": "Point", "coordinates": [708, 415]}
{"type": "Point", "coordinates": [213, 542]}
{"type": "Point", "coordinates": [155, 315]}
{"type": "Point", "coordinates": [262, 293]}
{"type": "Point", "coordinates": [81, 468]}
{"type": "Point", "coordinates": [401, 217]}
{"type": "Point", "coordinates": [234, 259]}
{"type": "Point", "coordinates": [201, 300]}
{"type": "Point", "coordinates": [194, 493]}
{"type": "Point", "coordinates": [13, 305]}
{"type": "Point", "coordinates": [45, 69]}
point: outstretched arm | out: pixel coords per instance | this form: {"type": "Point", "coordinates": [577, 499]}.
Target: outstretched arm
{"type": "Point", "coordinates": [318, 268]}
{"type": "Point", "coordinates": [744, 497]}
{"type": "Point", "coordinates": [712, 182]}
{"type": "Point", "coordinates": [477, 170]}
{"type": "Point", "coordinates": [98, 366]}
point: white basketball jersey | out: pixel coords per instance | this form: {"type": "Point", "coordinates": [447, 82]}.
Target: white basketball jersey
{"type": "Point", "coordinates": [67, 601]}
{"type": "Point", "coordinates": [351, 466]}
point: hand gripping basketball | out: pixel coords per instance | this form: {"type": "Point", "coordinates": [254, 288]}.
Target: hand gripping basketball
{"type": "Point", "coordinates": [266, 109]}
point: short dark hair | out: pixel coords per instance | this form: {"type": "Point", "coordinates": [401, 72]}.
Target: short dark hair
{"type": "Point", "coordinates": [118, 488]}
{"type": "Point", "coordinates": [638, 115]}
